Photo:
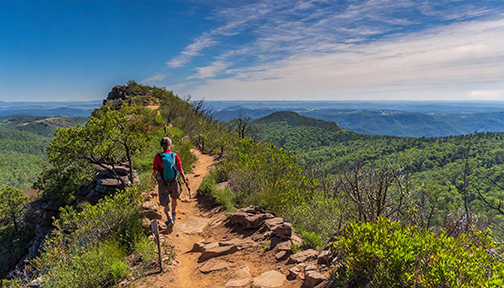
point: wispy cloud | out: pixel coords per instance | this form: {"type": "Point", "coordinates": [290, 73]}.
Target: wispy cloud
{"type": "Point", "coordinates": [152, 80]}
{"type": "Point", "coordinates": [209, 71]}
{"type": "Point", "coordinates": [304, 48]}
{"type": "Point", "coordinates": [457, 55]}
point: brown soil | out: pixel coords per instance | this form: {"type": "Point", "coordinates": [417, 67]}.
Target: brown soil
{"type": "Point", "coordinates": [184, 272]}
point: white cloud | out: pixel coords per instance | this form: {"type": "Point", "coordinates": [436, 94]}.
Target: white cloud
{"type": "Point", "coordinates": [191, 50]}
{"type": "Point", "coordinates": [153, 79]}
{"type": "Point", "coordinates": [209, 71]}
{"type": "Point", "coordinates": [465, 55]}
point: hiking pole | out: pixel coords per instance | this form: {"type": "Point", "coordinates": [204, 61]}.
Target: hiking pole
{"type": "Point", "coordinates": [188, 189]}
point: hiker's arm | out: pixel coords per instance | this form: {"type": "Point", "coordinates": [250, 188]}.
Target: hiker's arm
{"type": "Point", "coordinates": [186, 180]}
{"type": "Point", "coordinates": [155, 166]}
{"type": "Point", "coordinates": [179, 168]}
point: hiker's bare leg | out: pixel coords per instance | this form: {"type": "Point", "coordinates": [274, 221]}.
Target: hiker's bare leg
{"type": "Point", "coordinates": [174, 204]}
{"type": "Point", "coordinates": [167, 212]}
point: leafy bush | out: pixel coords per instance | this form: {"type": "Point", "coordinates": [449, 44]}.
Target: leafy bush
{"type": "Point", "coordinates": [224, 196]}
{"type": "Point", "coordinates": [146, 249]}
{"type": "Point", "coordinates": [93, 242]}
{"type": "Point", "coordinates": [95, 267]}
{"type": "Point", "coordinates": [389, 255]}
{"type": "Point", "coordinates": [311, 240]}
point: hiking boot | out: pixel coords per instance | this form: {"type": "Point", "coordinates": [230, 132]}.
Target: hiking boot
{"type": "Point", "coordinates": [169, 223]}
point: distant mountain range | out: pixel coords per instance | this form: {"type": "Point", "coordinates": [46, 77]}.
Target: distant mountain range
{"type": "Point", "coordinates": [411, 120]}
{"type": "Point", "coordinates": [49, 109]}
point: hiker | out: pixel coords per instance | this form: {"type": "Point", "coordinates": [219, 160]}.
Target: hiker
{"type": "Point", "coordinates": [166, 169]}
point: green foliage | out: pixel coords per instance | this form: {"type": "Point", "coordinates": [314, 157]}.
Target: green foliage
{"type": "Point", "coordinates": [11, 204]}
{"type": "Point", "coordinates": [311, 240]}
{"type": "Point", "coordinates": [389, 255]}
{"type": "Point", "coordinates": [260, 173]}
{"type": "Point", "coordinates": [224, 196]}
{"type": "Point", "coordinates": [15, 234]}
{"type": "Point", "coordinates": [146, 249]}
{"type": "Point", "coordinates": [94, 241]}
{"type": "Point", "coordinates": [95, 267]}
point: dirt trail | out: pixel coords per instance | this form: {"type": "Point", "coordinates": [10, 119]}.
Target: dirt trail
{"type": "Point", "coordinates": [195, 223]}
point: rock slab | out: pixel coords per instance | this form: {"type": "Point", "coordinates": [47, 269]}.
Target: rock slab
{"type": "Point", "coordinates": [269, 279]}
{"type": "Point", "coordinates": [303, 256]}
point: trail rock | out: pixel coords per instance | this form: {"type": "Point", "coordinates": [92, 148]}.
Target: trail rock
{"type": "Point", "coordinates": [278, 227]}
{"type": "Point", "coordinates": [149, 209]}
{"type": "Point", "coordinates": [282, 255]}
{"type": "Point", "coordinates": [313, 278]}
{"type": "Point", "coordinates": [200, 246]}
{"type": "Point", "coordinates": [193, 225]}
{"type": "Point", "coordinates": [210, 267]}
{"type": "Point", "coordinates": [296, 239]}
{"type": "Point", "coordinates": [250, 217]}
{"type": "Point", "coordinates": [242, 273]}
{"type": "Point", "coordinates": [269, 279]}
{"type": "Point", "coordinates": [109, 182]}
{"type": "Point", "coordinates": [222, 185]}
{"type": "Point", "coordinates": [296, 272]}
{"type": "Point", "coordinates": [324, 257]}
{"type": "Point", "coordinates": [217, 251]}
{"type": "Point", "coordinates": [303, 256]}
{"type": "Point", "coordinates": [238, 283]}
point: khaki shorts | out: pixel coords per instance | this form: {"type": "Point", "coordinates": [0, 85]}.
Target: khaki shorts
{"type": "Point", "coordinates": [167, 190]}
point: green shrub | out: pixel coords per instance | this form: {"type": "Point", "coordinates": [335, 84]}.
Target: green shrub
{"type": "Point", "coordinates": [389, 255]}
{"type": "Point", "coordinates": [311, 240]}
{"type": "Point", "coordinates": [225, 197]}
{"type": "Point", "coordinates": [208, 186]}
{"type": "Point", "coordinates": [95, 267]}
{"type": "Point", "coordinates": [146, 249]}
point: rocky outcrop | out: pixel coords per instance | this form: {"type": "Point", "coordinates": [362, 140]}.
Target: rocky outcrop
{"type": "Point", "coordinates": [119, 93]}
{"type": "Point", "coordinates": [251, 217]}
{"type": "Point", "coordinates": [110, 180]}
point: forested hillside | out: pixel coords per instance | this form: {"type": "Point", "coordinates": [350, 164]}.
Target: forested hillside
{"type": "Point", "coordinates": [389, 121]}
{"type": "Point", "coordinates": [406, 212]}
{"type": "Point", "coordinates": [438, 165]}
{"type": "Point", "coordinates": [23, 140]}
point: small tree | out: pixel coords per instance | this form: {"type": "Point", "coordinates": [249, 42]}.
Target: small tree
{"type": "Point", "coordinates": [11, 204]}
{"type": "Point", "coordinates": [110, 136]}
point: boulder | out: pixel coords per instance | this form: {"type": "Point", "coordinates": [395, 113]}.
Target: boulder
{"type": "Point", "coordinates": [313, 278]}
{"type": "Point", "coordinates": [303, 256]}
{"type": "Point", "coordinates": [210, 267]}
{"type": "Point", "coordinates": [149, 209]}
{"type": "Point", "coordinates": [324, 257]}
{"type": "Point", "coordinates": [296, 271]}
{"type": "Point", "coordinates": [250, 217]}
{"type": "Point", "coordinates": [278, 227]}
{"type": "Point", "coordinates": [269, 279]}
{"type": "Point", "coordinates": [212, 252]}
{"type": "Point", "coordinates": [222, 185]}
{"type": "Point", "coordinates": [110, 182]}
{"type": "Point", "coordinates": [221, 248]}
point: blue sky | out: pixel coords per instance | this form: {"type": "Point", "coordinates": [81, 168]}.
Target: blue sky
{"type": "Point", "coordinates": [254, 50]}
